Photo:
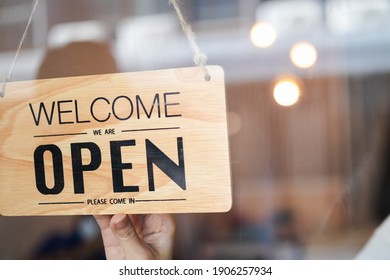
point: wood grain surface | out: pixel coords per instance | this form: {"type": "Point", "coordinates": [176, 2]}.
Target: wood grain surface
{"type": "Point", "coordinates": [144, 142]}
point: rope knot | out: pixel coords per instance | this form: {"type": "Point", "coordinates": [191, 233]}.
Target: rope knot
{"type": "Point", "coordinates": [200, 60]}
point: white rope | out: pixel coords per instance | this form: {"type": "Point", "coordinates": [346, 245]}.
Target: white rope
{"type": "Point", "coordinates": [4, 79]}
{"type": "Point", "coordinates": [200, 58]}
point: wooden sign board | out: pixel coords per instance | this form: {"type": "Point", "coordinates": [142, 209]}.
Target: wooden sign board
{"type": "Point", "coordinates": [145, 142]}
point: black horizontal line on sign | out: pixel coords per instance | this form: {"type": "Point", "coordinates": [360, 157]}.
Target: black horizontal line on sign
{"type": "Point", "coordinates": [64, 202]}
{"type": "Point", "coordinates": [148, 129]}
{"type": "Point", "coordinates": [61, 134]}
{"type": "Point", "coordinates": [160, 200]}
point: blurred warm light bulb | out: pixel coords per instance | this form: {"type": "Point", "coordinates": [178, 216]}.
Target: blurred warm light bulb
{"type": "Point", "coordinates": [303, 55]}
{"type": "Point", "coordinates": [263, 35]}
{"type": "Point", "coordinates": [286, 92]}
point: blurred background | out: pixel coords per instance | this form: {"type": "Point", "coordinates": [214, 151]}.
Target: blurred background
{"type": "Point", "coordinates": [308, 97]}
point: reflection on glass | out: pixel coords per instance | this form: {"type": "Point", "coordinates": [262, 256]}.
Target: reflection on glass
{"type": "Point", "coordinates": [234, 122]}
{"type": "Point", "coordinates": [355, 16]}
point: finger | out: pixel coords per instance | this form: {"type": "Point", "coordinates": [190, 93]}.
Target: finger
{"type": "Point", "coordinates": [127, 236]}
{"type": "Point", "coordinates": [103, 221]}
{"type": "Point", "coordinates": [160, 234]}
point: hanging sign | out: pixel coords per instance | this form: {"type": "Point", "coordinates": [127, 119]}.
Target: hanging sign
{"type": "Point", "coordinates": [145, 142]}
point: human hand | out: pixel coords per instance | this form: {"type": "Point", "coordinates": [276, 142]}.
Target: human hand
{"type": "Point", "coordinates": [144, 237]}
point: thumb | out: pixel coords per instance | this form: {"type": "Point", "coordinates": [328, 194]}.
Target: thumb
{"type": "Point", "coordinates": [127, 236]}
